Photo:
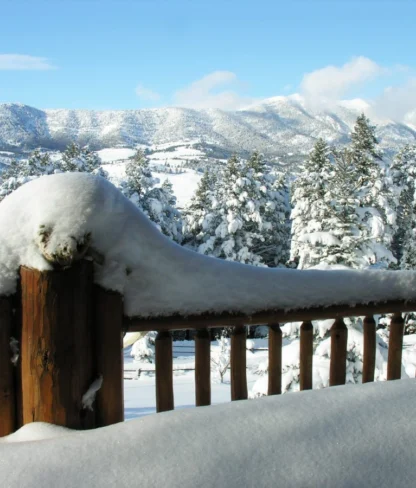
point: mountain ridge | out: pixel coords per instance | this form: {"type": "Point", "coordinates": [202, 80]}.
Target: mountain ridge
{"type": "Point", "coordinates": [276, 127]}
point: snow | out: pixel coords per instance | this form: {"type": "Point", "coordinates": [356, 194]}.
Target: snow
{"type": "Point", "coordinates": [165, 278]}
{"type": "Point", "coordinates": [89, 396]}
{"type": "Point", "coordinates": [115, 154]}
{"type": "Point", "coordinates": [311, 439]}
{"type": "Point", "coordinates": [184, 184]}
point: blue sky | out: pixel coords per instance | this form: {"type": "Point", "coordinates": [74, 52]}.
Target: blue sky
{"type": "Point", "coordinates": [226, 54]}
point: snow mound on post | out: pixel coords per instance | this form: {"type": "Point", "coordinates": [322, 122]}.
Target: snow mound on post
{"type": "Point", "coordinates": [313, 439]}
{"type": "Point", "coordinates": [62, 217]}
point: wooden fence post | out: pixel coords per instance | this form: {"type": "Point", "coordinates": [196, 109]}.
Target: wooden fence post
{"type": "Point", "coordinates": [164, 371]}
{"type": "Point", "coordinates": [239, 363]}
{"type": "Point", "coordinates": [394, 362]}
{"type": "Point", "coordinates": [369, 353]}
{"type": "Point", "coordinates": [202, 368]}
{"type": "Point", "coordinates": [306, 356]}
{"type": "Point", "coordinates": [338, 363]}
{"type": "Point", "coordinates": [7, 375]}
{"type": "Point", "coordinates": [275, 360]}
{"type": "Point", "coordinates": [108, 318]}
{"type": "Point", "coordinates": [57, 345]}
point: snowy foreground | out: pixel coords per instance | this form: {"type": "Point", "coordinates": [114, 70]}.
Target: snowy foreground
{"type": "Point", "coordinates": [349, 436]}
{"type": "Point", "coordinates": [156, 276]}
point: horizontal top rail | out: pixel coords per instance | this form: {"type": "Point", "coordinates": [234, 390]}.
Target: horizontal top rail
{"type": "Point", "coordinates": [177, 322]}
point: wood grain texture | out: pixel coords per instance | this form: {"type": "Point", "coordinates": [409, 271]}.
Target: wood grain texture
{"type": "Point", "coordinates": [238, 364]}
{"type": "Point", "coordinates": [394, 362]}
{"type": "Point", "coordinates": [57, 345]}
{"type": "Point", "coordinates": [306, 356]}
{"type": "Point", "coordinates": [275, 360]}
{"type": "Point", "coordinates": [7, 375]}
{"type": "Point", "coordinates": [164, 372]}
{"type": "Point", "coordinates": [338, 362]}
{"type": "Point", "coordinates": [108, 322]}
{"type": "Point", "coordinates": [369, 351]}
{"type": "Point", "coordinates": [202, 368]}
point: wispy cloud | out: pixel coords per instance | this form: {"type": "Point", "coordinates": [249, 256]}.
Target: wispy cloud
{"type": "Point", "coordinates": [203, 93]}
{"type": "Point", "coordinates": [23, 62]}
{"type": "Point", "coordinates": [146, 94]}
{"type": "Point", "coordinates": [323, 87]}
{"type": "Point", "coordinates": [396, 101]}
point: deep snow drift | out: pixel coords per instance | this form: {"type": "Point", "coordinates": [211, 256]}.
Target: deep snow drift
{"type": "Point", "coordinates": [61, 215]}
{"type": "Point", "coordinates": [335, 437]}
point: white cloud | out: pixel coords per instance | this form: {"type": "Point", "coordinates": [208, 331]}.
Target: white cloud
{"type": "Point", "coordinates": [146, 94]}
{"type": "Point", "coordinates": [396, 101]}
{"type": "Point", "coordinates": [204, 93]}
{"type": "Point", "coordinates": [323, 87]}
{"type": "Point", "coordinates": [20, 62]}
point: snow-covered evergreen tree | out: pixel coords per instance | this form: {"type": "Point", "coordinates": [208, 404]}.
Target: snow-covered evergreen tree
{"type": "Point", "coordinates": [81, 159]}
{"type": "Point", "coordinates": [373, 190]}
{"type": "Point", "coordinates": [199, 211]}
{"type": "Point", "coordinates": [314, 236]}
{"type": "Point", "coordinates": [247, 218]}
{"type": "Point", "coordinates": [274, 210]}
{"type": "Point", "coordinates": [158, 203]}
{"type": "Point", "coordinates": [21, 172]}
{"type": "Point", "coordinates": [403, 173]}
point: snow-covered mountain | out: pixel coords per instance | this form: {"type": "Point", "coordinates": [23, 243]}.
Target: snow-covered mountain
{"type": "Point", "coordinates": [278, 126]}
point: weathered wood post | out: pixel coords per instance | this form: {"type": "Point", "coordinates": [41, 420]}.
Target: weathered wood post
{"type": "Point", "coordinates": [394, 361]}
{"type": "Point", "coordinates": [275, 360]}
{"type": "Point", "coordinates": [202, 368]}
{"type": "Point", "coordinates": [338, 362]}
{"type": "Point", "coordinates": [369, 353]}
{"type": "Point", "coordinates": [306, 356]}
{"type": "Point", "coordinates": [164, 372]}
{"type": "Point", "coordinates": [238, 364]}
{"type": "Point", "coordinates": [108, 318]}
{"type": "Point", "coordinates": [57, 348]}
{"type": "Point", "coordinates": [7, 377]}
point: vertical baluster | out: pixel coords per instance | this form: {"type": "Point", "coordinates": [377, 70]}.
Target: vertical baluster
{"type": "Point", "coordinates": [238, 364]}
{"type": "Point", "coordinates": [164, 371]}
{"type": "Point", "coordinates": [306, 354]}
{"type": "Point", "coordinates": [202, 368]}
{"type": "Point", "coordinates": [7, 379]}
{"type": "Point", "coordinates": [394, 363]}
{"type": "Point", "coordinates": [275, 360]}
{"type": "Point", "coordinates": [338, 364]}
{"type": "Point", "coordinates": [369, 361]}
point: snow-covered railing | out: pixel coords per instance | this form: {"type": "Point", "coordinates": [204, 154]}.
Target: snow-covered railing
{"type": "Point", "coordinates": [338, 359]}
{"type": "Point", "coordinates": [75, 236]}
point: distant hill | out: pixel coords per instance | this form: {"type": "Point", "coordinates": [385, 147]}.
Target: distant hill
{"type": "Point", "coordinates": [278, 127]}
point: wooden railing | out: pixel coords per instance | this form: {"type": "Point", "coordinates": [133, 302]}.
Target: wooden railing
{"type": "Point", "coordinates": [338, 357]}
{"type": "Point", "coordinates": [70, 333]}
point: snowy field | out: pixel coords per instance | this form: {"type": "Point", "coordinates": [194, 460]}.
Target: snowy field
{"type": "Point", "coordinates": [184, 184]}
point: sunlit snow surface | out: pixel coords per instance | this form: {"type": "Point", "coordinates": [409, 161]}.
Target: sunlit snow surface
{"type": "Point", "coordinates": [358, 436]}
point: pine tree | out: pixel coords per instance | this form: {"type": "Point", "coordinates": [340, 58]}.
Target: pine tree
{"type": "Point", "coordinates": [244, 217]}
{"type": "Point", "coordinates": [373, 192]}
{"type": "Point", "coordinates": [198, 212]}
{"type": "Point", "coordinates": [363, 138]}
{"type": "Point", "coordinates": [38, 164]}
{"type": "Point", "coordinates": [158, 203]}
{"type": "Point", "coordinates": [79, 159]}
{"type": "Point", "coordinates": [403, 172]}
{"type": "Point", "coordinates": [139, 176]}
{"type": "Point", "coordinates": [18, 174]}
{"type": "Point", "coordinates": [313, 237]}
